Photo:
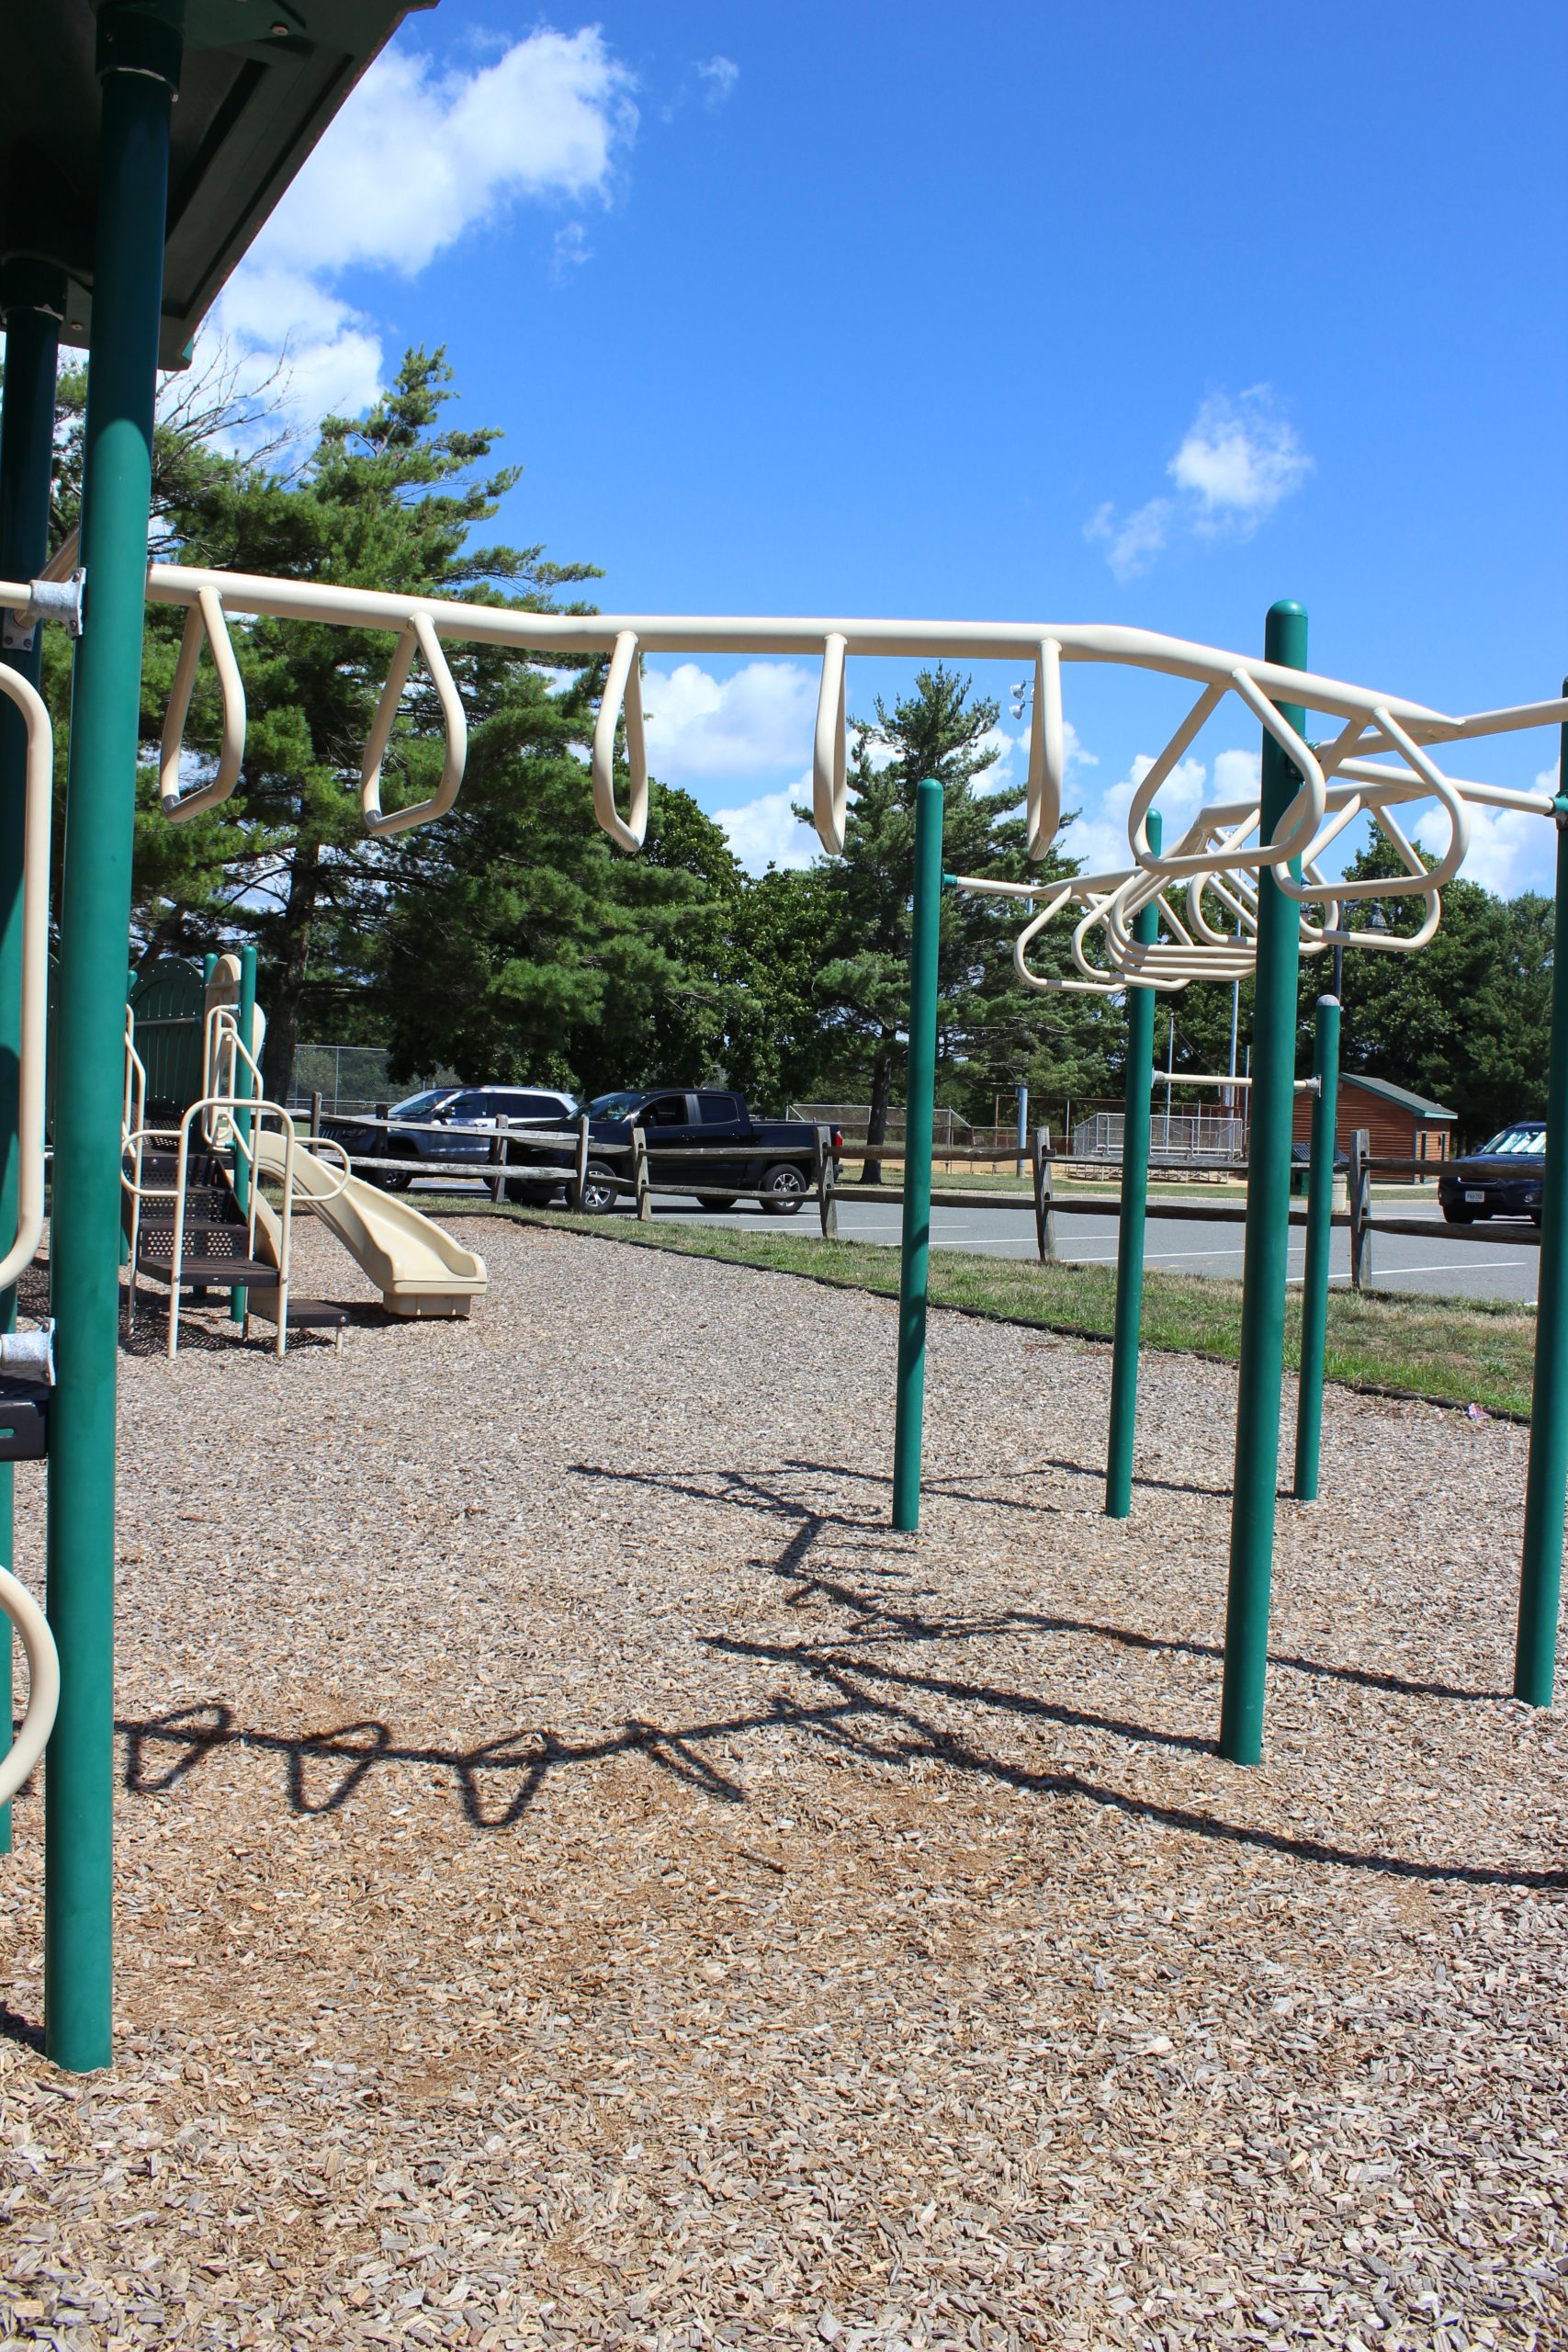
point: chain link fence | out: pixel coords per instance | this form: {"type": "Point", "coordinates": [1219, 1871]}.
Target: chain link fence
{"type": "Point", "coordinates": [354, 1078]}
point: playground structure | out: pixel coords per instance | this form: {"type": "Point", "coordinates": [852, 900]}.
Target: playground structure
{"type": "Point", "coordinates": [197, 1210]}
{"type": "Point", "coordinates": [1232, 849]}
{"type": "Point", "coordinates": [1242, 856]}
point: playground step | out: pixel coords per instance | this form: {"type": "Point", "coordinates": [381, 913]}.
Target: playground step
{"type": "Point", "coordinates": [220, 1272]}
{"type": "Point", "coordinates": [304, 1314]}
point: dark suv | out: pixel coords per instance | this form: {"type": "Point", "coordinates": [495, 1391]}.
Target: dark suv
{"type": "Point", "coordinates": [1503, 1178]}
{"type": "Point", "coordinates": [450, 1122]}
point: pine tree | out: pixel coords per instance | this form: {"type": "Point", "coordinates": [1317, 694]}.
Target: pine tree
{"type": "Point", "coordinates": [990, 1029]}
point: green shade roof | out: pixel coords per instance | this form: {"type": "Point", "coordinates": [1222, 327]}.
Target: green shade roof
{"type": "Point", "coordinates": [1399, 1094]}
{"type": "Point", "coordinates": [260, 82]}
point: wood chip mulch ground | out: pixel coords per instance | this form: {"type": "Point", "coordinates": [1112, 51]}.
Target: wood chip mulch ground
{"type": "Point", "coordinates": [584, 1882]}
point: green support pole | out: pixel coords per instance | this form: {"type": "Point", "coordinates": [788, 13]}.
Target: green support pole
{"type": "Point", "coordinates": [919, 1116]}
{"type": "Point", "coordinates": [1319, 1242]}
{"type": "Point", "coordinates": [1267, 1239]}
{"type": "Point", "coordinates": [1546, 1486]}
{"type": "Point", "coordinates": [1137, 1091]}
{"type": "Point", "coordinates": [33, 303]}
{"type": "Point", "coordinates": [243, 1089]}
{"type": "Point", "coordinates": [139, 57]}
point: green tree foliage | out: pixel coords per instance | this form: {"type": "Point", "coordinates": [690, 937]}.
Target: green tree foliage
{"type": "Point", "coordinates": [388, 503]}
{"type": "Point", "coordinates": [1466, 1020]}
{"type": "Point", "coordinates": [991, 1030]}
{"type": "Point", "coordinates": [513, 940]}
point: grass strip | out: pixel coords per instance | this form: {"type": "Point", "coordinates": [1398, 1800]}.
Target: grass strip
{"type": "Point", "coordinates": [1446, 1351]}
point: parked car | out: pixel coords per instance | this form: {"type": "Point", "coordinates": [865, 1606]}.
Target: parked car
{"type": "Point", "coordinates": [683, 1127]}
{"type": "Point", "coordinates": [1503, 1178]}
{"type": "Point", "coordinates": [447, 1122]}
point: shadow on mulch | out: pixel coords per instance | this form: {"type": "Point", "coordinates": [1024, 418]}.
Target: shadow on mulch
{"type": "Point", "coordinates": [874, 1618]}
{"type": "Point", "coordinates": [869, 1711]}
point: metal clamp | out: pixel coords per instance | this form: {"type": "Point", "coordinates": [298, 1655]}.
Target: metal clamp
{"type": "Point", "coordinates": [48, 600]}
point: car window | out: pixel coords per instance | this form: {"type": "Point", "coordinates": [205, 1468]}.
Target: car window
{"type": "Point", "coordinates": [420, 1106]}
{"type": "Point", "coordinates": [538, 1106]}
{"type": "Point", "coordinates": [665, 1111]}
{"type": "Point", "coordinates": [613, 1107]}
{"type": "Point", "coordinates": [1515, 1142]}
{"type": "Point", "coordinates": [471, 1105]}
{"type": "Point", "coordinates": [718, 1109]}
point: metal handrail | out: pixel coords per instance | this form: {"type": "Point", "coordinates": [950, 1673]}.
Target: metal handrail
{"type": "Point", "coordinates": [43, 1684]}
{"type": "Point", "coordinates": [33, 1028]}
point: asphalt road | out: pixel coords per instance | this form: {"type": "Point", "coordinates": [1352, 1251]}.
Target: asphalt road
{"type": "Point", "coordinates": [1445, 1265]}
{"type": "Point", "coordinates": [1400, 1262]}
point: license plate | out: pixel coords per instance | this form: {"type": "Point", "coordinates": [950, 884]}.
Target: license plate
{"type": "Point", "coordinates": [1475, 1196]}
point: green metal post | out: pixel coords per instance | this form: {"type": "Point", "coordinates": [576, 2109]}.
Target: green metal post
{"type": "Point", "coordinates": [919, 1117]}
{"type": "Point", "coordinates": [33, 303]}
{"type": "Point", "coordinates": [138, 58]}
{"type": "Point", "coordinates": [1319, 1242]}
{"type": "Point", "coordinates": [1264, 1264]}
{"type": "Point", "coordinates": [1137, 1092]}
{"type": "Point", "coordinates": [1546, 1486]}
{"type": "Point", "coordinates": [243, 1089]}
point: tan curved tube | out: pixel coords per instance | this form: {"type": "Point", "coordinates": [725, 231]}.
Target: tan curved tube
{"type": "Point", "coordinates": [418, 635]}
{"type": "Point", "coordinates": [43, 1683]}
{"type": "Point", "coordinates": [35, 978]}
{"type": "Point", "coordinates": [205, 618]}
{"type": "Point", "coordinates": [830, 789]}
{"type": "Point", "coordinates": [622, 685]}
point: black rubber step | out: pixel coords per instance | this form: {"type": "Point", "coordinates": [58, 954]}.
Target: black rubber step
{"type": "Point", "coordinates": [219, 1272]}
{"type": "Point", "coordinates": [304, 1314]}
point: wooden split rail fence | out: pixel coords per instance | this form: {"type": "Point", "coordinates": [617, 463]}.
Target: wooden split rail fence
{"type": "Point", "coordinates": [639, 1183]}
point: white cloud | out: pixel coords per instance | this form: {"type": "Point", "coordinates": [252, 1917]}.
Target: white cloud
{"type": "Point", "coordinates": [1511, 849]}
{"type": "Point", "coordinates": [1133, 543]}
{"type": "Point", "coordinates": [766, 831]}
{"type": "Point", "coordinates": [718, 76]}
{"type": "Point", "coordinates": [1098, 839]}
{"type": "Point", "coordinates": [1011, 758]}
{"type": "Point", "coordinates": [1236, 461]}
{"type": "Point", "coordinates": [418, 156]}
{"type": "Point", "coordinates": [762, 716]}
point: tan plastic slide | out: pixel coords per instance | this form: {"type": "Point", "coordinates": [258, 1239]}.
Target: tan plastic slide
{"type": "Point", "coordinates": [418, 1269]}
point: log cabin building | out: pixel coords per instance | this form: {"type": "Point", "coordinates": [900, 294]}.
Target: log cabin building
{"type": "Point", "coordinates": [1402, 1125]}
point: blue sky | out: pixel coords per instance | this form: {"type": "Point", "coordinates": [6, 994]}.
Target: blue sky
{"type": "Point", "coordinates": [1142, 313]}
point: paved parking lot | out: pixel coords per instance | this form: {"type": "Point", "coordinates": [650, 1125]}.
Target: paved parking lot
{"type": "Point", "coordinates": [1467, 1269]}
{"type": "Point", "coordinates": [1505, 1269]}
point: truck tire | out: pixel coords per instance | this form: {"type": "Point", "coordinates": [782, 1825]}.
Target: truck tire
{"type": "Point", "coordinates": [534, 1194]}
{"type": "Point", "coordinates": [599, 1194]}
{"type": "Point", "coordinates": [725, 1201]}
{"type": "Point", "coordinates": [1458, 1213]}
{"type": "Point", "coordinates": [785, 1186]}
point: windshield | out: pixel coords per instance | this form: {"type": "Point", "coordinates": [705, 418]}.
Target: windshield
{"type": "Point", "coordinates": [419, 1106]}
{"type": "Point", "coordinates": [1515, 1142]}
{"type": "Point", "coordinates": [614, 1106]}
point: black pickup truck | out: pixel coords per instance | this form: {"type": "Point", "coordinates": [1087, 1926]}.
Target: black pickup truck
{"type": "Point", "coordinates": [701, 1138]}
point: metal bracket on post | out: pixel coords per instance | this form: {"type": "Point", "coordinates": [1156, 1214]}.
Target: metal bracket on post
{"type": "Point", "coordinates": [827, 1185]}
{"type": "Point", "coordinates": [1045, 1196]}
{"type": "Point", "coordinates": [639, 1175]}
{"type": "Point", "coordinates": [1361, 1202]}
{"type": "Point", "coordinates": [48, 600]}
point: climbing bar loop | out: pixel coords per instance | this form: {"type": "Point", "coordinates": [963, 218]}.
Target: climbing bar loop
{"type": "Point", "coordinates": [830, 788]}
{"type": "Point", "coordinates": [623, 688]}
{"type": "Point", "coordinates": [204, 619]}
{"type": "Point", "coordinates": [419, 636]}
{"type": "Point", "coordinates": [43, 1684]}
{"type": "Point", "coordinates": [1047, 749]}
